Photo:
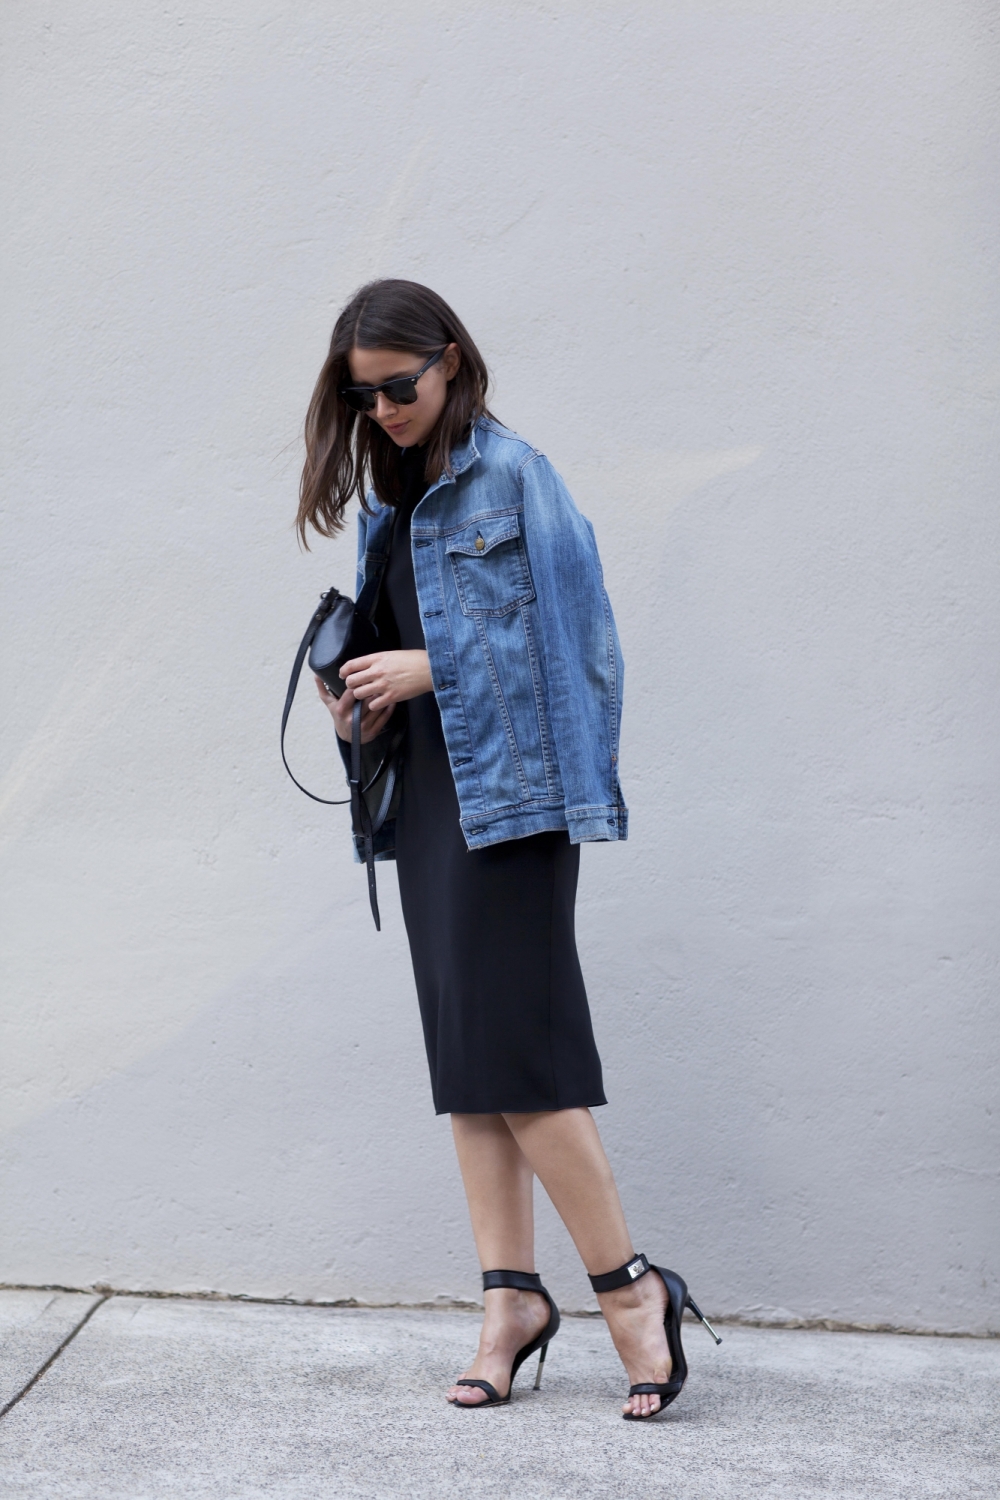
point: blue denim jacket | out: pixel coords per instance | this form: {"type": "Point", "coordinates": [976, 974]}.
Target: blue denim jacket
{"type": "Point", "coordinates": [523, 648]}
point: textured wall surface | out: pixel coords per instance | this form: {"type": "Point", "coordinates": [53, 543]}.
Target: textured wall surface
{"type": "Point", "coordinates": [732, 265]}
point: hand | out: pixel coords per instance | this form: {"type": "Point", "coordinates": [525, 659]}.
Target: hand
{"type": "Point", "coordinates": [342, 712]}
{"type": "Point", "coordinates": [388, 677]}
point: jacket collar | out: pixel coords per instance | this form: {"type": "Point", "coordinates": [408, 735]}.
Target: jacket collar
{"type": "Point", "coordinates": [463, 456]}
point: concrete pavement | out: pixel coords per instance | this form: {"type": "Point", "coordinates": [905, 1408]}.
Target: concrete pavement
{"type": "Point", "coordinates": [229, 1399]}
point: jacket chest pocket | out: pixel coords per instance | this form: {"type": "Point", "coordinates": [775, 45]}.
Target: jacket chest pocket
{"type": "Point", "coordinates": [490, 566]}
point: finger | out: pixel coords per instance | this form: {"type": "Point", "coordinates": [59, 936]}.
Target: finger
{"type": "Point", "coordinates": [342, 709]}
{"type": "Point", "coordinates": [358, 664]}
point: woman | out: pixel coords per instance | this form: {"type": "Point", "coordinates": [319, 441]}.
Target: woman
{"type": "Point", "coordinates": [484, 581]}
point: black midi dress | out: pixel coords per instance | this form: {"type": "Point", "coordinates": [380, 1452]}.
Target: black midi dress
{"type": "Point", "coordinates": [491, 931]}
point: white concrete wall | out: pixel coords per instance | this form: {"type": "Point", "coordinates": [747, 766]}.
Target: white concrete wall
{"type": "Point", "coordinates": [731, 266]}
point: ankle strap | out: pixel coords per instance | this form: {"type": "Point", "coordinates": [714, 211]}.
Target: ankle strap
{"type": "Point", "coordinates": [520, 1281]}
{"type": "Point", "coordinates": [624, 1276]}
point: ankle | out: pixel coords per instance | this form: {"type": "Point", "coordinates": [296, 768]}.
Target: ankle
{"type": "Point", "coordinates": [622, 1299]}
{"type": "Point", "coordinates": [505, 1296]}
{"type": "Point", "coordinates": [504, 1306]}
{"type": "Point", "coordinates": [638, 1294]}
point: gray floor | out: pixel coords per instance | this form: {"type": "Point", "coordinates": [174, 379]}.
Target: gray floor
{"type": "Point", "coordinates": [178, 1398]}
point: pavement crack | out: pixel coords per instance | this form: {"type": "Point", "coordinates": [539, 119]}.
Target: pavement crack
{"type": "Point", "coordinates": [54, 1355]}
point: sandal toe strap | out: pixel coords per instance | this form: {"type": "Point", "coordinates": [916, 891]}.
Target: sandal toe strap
{"type": "Point", "coordinates": [647, 1389]}
{"type": "Point", "coordinates": [483, 1385]}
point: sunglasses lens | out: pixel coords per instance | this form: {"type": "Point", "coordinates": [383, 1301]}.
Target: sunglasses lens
{"type": "Point", "coordinates": [358, 400]}
{"type": "Point", "coordinates": [401, 392]}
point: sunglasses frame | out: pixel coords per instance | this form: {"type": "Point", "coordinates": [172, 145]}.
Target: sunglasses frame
{"type": "Point", "coordinates": [372, 391]}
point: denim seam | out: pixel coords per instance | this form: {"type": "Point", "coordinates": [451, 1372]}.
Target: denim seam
{"type": "Point", "coordinates": [429, 530]}
{"type": "Point", "coordinates": [504, 714]}
{"type": "Point", "coordinates": [613, 676]}
{"type": "Point", "coordinates": [473, 612]}
{"type": "Point", "coordinates": [457, 689]}
{"type": "Point", "coordinates": [528, 459]}
{"type": "Point", "coordinates": [536, 683]}
{"type": "Point", "coordinates": [480, 515]}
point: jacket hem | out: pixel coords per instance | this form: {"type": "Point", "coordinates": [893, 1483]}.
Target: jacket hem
{"type": "Point", "coordinates": [480, 832]}
{"type": "Point", "coordinates": [589, 825]}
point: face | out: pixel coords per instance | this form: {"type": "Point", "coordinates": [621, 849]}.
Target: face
{"type": "Point", "coordinates": [406, 425]}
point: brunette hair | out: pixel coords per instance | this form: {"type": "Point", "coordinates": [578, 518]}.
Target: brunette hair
{"type": "Point", "coordinates": [344, 449]}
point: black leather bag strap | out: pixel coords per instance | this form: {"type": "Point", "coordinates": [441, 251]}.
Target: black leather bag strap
{"type": "Point", "coordinates": [293, 683]}
{"type": "Point", "coordinates": [359, 811]}
{"type": "Point", "coordinates": [364, 825]}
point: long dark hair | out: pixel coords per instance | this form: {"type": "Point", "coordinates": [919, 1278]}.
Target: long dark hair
{"type": "Point", "coordinates": [345, 449]}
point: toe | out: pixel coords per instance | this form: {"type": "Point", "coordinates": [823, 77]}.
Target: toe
{"type": "Point", "coordinates": [644, 1405]}
{"type": "Point", "coordinates": [467, 1395]}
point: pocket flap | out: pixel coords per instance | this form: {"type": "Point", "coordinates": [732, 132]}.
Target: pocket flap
{"type": "Point", "coordinates": [482, 536]}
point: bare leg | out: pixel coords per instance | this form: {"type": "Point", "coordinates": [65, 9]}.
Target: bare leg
{"type": "Point", "coordinates": [498, 1184]}
{"type": "Point", "coordinates": [499, 1155]}
{"type": "Point", "coordinates": [565, 1151]}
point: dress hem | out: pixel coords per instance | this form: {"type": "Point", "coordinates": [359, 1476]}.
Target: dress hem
{"type": "Point", "coordinates": [538, 1109]}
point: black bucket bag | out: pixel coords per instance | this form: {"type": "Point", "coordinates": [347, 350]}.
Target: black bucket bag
{"type": "Point", "coordinates": [339, 631]}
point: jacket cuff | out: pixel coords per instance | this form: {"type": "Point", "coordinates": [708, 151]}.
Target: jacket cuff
{"type": "Point", "coordinates": [594, 825]}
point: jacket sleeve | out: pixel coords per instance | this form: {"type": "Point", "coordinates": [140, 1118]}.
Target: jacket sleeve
{"type": "Point", "coordinates": [581, 653]}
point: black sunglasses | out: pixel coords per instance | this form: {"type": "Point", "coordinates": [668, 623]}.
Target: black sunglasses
{"type": "Point", "coordinates": [401, 392]}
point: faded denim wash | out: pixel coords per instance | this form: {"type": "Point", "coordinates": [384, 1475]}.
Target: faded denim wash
{"type": "Point", "coordinates": [523, 649]}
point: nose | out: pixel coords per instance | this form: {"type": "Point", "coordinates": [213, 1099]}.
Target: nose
{"type": "Point", "coordinates": [384, 408]}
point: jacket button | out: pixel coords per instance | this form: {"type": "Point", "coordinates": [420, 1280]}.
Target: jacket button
{"type": "Point", "coordinates": [480, 544]}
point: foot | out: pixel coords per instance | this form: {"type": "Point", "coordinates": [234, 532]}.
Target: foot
{"type": "Point", "coordinates": [634, 1315]}
{"type": "Point", "coordinates": [512, 1320]}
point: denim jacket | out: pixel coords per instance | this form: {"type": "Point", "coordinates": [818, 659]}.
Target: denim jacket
{"type": "Point", "coordinates": [524, 654]}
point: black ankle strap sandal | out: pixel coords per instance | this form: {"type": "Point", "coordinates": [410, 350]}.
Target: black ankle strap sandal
{"type": "Point", "coordinates": [520, 1281]}
{"type": "Point", "coordinates": [624, 1276]}
{"type": "Point", "coordinates": [678, 1297]}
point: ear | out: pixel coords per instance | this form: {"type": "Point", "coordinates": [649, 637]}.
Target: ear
{"type": "Point", "coordinates": [450, 361]}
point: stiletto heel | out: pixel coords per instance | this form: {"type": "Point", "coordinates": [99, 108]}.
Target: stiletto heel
{"type": "Point", "coordinates": [678, 1297]}
{"type": "Point", "coordinates": [521, 1281]}
{"type": "Point", "coordinates": [692, 1304]}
